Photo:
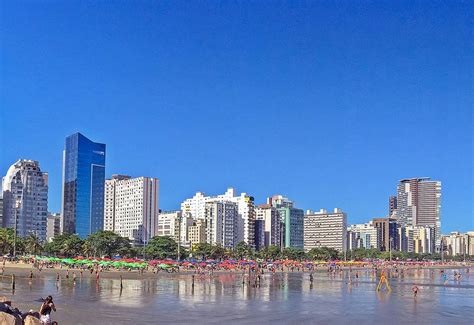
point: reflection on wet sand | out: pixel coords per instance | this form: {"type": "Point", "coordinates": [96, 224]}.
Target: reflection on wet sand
{"type": "Point", "coordinates": [280, 298]}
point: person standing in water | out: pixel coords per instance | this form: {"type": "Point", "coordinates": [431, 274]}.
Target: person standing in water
{"type": "Point", "coordinates": [415, 290]}
{"type": "Point", "coordinates": [45, 310]}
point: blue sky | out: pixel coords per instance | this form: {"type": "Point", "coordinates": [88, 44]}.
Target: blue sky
{"type": "Point", "coordinates": [329, 103]}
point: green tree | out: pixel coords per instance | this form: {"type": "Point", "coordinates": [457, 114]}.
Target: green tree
{"type": "Point", "coordinates": [293, 253]}
{"type": "Point", "coordinates": [202, 251]}
{"type": "Point", "coordinates": [106, 243]}
{"type": "Point", "coordinates": [243, 250]}
{"type": "Point", "coordinates": [217, 252]}
{"type": "Point", "coordinates": [32, 244]}
{"type": "Point", "coordinates": [65, 245]}
{"type": "Point", "coordinates": [206, 251]}
{"type": "Point", "coordinates": [161, 247]}
{"type": "Point", "coordinates": [323, 253]}
{"type": "Point", "coordinates": [271, 252]}
{"type": "Point", "coordinates": [6, 240]}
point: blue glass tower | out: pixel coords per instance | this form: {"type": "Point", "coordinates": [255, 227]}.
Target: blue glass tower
{"type": "Point", "coordinates": [83, 185]}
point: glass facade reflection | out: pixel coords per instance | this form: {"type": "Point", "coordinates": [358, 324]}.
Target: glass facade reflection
{"type": "Point", "coordinates": [83, 185]}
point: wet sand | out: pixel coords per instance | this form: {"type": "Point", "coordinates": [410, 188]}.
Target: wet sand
{"type": "Point", "coordinates": [282, 298]}
{"type": "Point", "coordinates": [22, 270]}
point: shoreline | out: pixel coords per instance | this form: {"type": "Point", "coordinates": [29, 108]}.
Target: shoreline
{"type": "Point", "coordinates": [22, 270]}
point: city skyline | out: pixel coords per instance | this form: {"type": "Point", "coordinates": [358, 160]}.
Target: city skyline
{"type": "Point", "coordinates": [177, 204]}
{"type": "Point", "coordinates": [303, 99]}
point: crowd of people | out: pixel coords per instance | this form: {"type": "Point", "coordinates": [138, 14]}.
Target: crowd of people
{"type": "Point", "coordinates": [250, 271]}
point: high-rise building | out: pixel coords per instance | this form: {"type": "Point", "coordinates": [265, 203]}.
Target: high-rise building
{"type": "Point", "coordinates": [292, 220]}
{"type": "Point", "coordinates": [387, 233]}
{"type": "Point", "coordinates": [1, 208]}
{"type": "Point", "coordinates": [195, 207]}
{"type": "Point", "coordinates": [280, 201]}
{"type": "Point", "coordinates": [132, 207]}
{"type": "Point", "coordinates": [456, 243]}
{"type": "Point", "coordinates": [419, 204]}
{"type": "Point", "coordinates": [83, 185]}
{"type": "Point", "coordinates": [259, 234]}
{"type": "Point", "coordinates": [197, 232]}
{"type": "Point", "coordinates": [470, 243]}
{"type": "Point", "coordinates": [325, 229]}
{"type": "Point", "coordinates": [186, 222]}
{"type": "Point", "coordinates": [272, 224]}
{"type": "Point", "coordinates": [221, 227]}
{"type": "Point", "coordinates": [392, 205]}
{"type": "Point", "coordinates": [109, 200]}
{"type": "Point", "coordinates": [25, 195]}
{"type": "Point", "coordinates": [362, 236]}
{"type": "Point", "coordinates": [405, 237]}
{"type": "Point", "coordinates": [169, 224]}
{"type": "Point", "coordinates": [423, 239]}
{"type": "Point", "coordinates": [53, 226]}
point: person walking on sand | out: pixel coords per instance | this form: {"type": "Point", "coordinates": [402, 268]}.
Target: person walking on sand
{"type": "Point", "coordinates": [45, 310]}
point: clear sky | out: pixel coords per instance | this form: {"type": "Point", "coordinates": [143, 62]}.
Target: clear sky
{"type": "Point", "coordinates": [327, 102]}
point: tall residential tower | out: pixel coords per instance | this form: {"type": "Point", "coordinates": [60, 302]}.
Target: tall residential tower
{"type": "Point", "coordinates": [25, 195]}
{"type": "Point", "coordinates": [132, 207]}
{"type": "Point", "coordinates": [419, 204]}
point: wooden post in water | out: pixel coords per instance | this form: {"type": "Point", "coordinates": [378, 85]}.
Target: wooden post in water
{"type": "Point", "coordinates": [121, 283]}
{"type": "Point", "coordinates": [13, 282]}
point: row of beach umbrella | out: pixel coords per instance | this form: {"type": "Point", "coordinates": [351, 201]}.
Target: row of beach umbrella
{"type": "Point", "coordinates": [167, 263]}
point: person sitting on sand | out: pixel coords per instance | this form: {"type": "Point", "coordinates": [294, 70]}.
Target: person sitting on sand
{"type": "Point", "coordinates": [45, 310]}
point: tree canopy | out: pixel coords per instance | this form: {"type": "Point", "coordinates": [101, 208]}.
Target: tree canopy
{"type": "Point", "coordinates": [161, 247]}
{"type": "Point", "coordinates": [106, 243]}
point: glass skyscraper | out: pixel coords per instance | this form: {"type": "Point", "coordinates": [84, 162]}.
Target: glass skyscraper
{"type": "Point", "coordinates": [83, 185]}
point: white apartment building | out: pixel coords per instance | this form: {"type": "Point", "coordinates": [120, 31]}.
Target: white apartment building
{"type": "Point", "coordinates": [53, 226]}
{"type": "Point", "coordinates": [25, 198]}
{"type": "Point", "coordinates": [195, 207]}
{"type": "Point", "coordinates": [221, 218]}
{"type": "Point", "coordinates": [362, 235]}
{"type": "Point", "coordinates": [424, 239]}
{"type": "Point", "coordinates": [417, 239]}
{"type": "Point", "coordinates": [186, 222]}
{"type": "Point", "coordinates": [325, 229]}
{"type": "Point", "coordinates": [169, 224]}
{"type": "Point", "coordinates": [456, 243]}
{"type": "Point", "coordinates": [132, 207]}
{"type": "Point", "coordinates": [109, 201]}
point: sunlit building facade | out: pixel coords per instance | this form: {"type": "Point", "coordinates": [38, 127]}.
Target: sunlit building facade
{"type": "Point", "coordinates": [135, 203]}
{"type": "Point", "coordinates": [25, 195]}
{"type": "Point", "coordinates": [325, 229]}
{"type": "Point", "coordinates": [83, 186]}
{"type": "Point", "coordinates": [195, 208]}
